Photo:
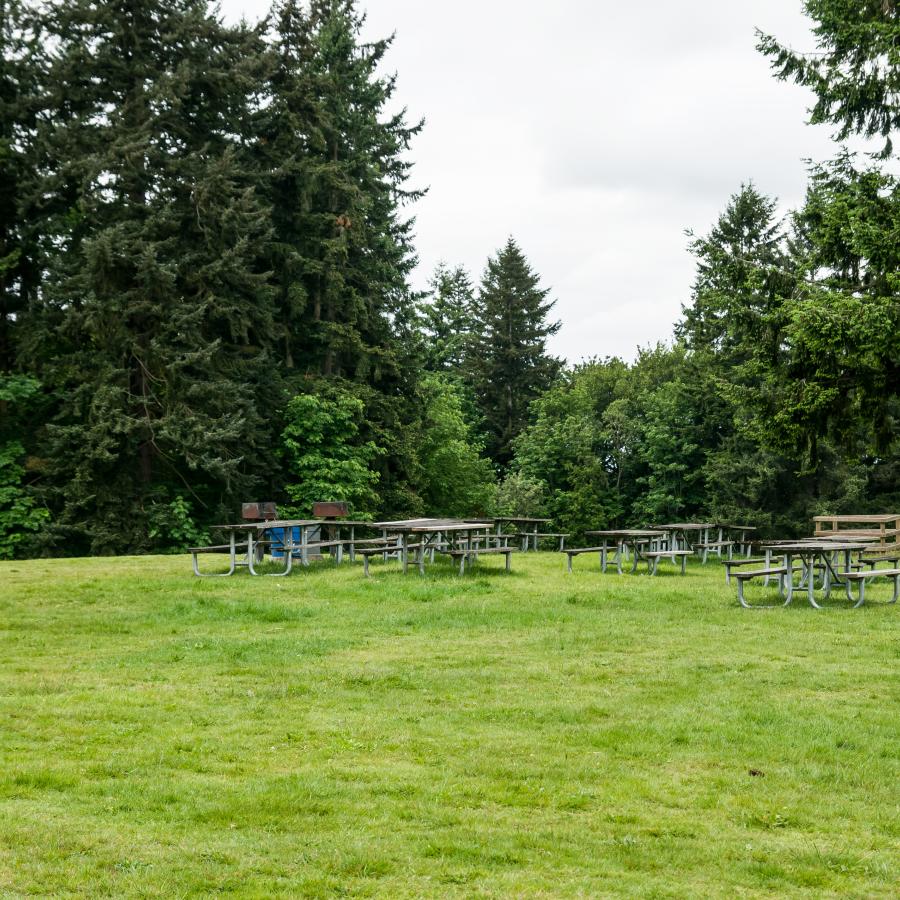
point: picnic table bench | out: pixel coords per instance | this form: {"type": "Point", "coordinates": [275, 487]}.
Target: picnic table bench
{"type": "Point", "coordinates": [716, 546]}
{"type": "Point", "coordinates": [654, 556]}
{"type": "Point", "coordinates": [732, 563]}
{"type": "Point", "coordinates": [551, 534]}
{"type": "Point", "coordinates": [768, 572]}
{"type": "Point", "coordinates": [861, 578]}
{"type": "Point", "coordinates": [576, 551]}
{"type": "Point", "coordinates": [471, 554]}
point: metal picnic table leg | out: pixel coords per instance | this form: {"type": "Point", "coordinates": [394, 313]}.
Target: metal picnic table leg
{"type": "Point", "coordinates": [602, 558]}
{"type": "Point", "coordinates": [787, 578]}
{"type": "Point", "coordinates": [848, 585]}
{"type": "Point", "coordinates": [404, 553]}
{"type": "Point", "coordinates": [287, 547]}
{"type": "Point", "coordinates": [287, 544]}
{"type": "Point", "coordinates": [289, 552]}
{"type": "Point", "coordinates": [352, 543]}
{"type": "Point", "coordinates": [304, 545]}
{"type": "Point", "coordinates": [619, 557]}
{"type": "Point", "coordinates": [811, 582]}
{"type": "Point", "coordinates": [251, 552]}
{"type": "Point", "coordinates": [421, 555]}
{"type": "Point", "coordinates": [231, 557]}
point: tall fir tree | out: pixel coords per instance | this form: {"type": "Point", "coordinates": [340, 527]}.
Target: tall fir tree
{"type": "Point", "coordinates": [510, 366]}
{"type": "Point", "coordinates": [21, 64]}
{"type": "Point", "coordinates": [335, 176]}
{"type": "Point", "coordinates": [855, 70]}
{"type": "Point", "coordinates": [448, 319]}
{"type": "Point", "coordinates": [844, 331]}
{"type": "Point", "coordinates": [743, 278]}
{"type": "Point", "coordinates": [845, 314]}
{"type": "Point", "coordinates": [154, 328]}
{"type": "Point", "coordinates": [335, 179]}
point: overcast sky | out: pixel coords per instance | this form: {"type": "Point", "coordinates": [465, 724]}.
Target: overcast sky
{"type": "Point", "coordinates": [595, 132]}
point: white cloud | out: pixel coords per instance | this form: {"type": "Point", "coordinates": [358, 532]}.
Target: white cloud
{"type": "Point", "coordinates": [595, 133]}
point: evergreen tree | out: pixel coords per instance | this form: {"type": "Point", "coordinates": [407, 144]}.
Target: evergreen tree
{"type": "Point", "coordinates": [153, 329]}
{"type": "Point", "coordinates": [448, 319]}
{"type": "Point", "coordinates": [846, 309]}
{"type": "Point", "coordinates": [855, 72]}
{"type": "Point", "coordinates": [736, 311]}
{"type": "Point", "coordinates": [844, 331]}
{"type": "Point", "coordinates": [335, 177]}
{"type": "Point", "coordinates": [21, 63]}
{"type": "Point", "coordinates": [510, 366]}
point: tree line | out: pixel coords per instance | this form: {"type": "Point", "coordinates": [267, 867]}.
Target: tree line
{"type": "Point", "coordinates": [205, 259]}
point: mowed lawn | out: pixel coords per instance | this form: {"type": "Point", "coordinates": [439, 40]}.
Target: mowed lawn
{"type": "Point", "coordinates": [532, 734]}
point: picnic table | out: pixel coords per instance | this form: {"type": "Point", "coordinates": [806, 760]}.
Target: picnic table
{"type": "Point", "coordinates": [625, 540]}
{"type": "Point", "coordinates": [679, 532]}
{"type": "Point", "coordinates": [291, 540]}
{"type": "Point", "coordinates": [432, 534]}
{"type": "Point", "coordinates": [743, 540]}
{"type": "Point", "coordinates": [813, 554]}
{"type": "Point", "coordinates": [527, 528]}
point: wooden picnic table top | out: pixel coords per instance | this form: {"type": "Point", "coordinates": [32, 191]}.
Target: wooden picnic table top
{"type": "Point", "coordinates": [420, 526]}
{"type": "Point", "coordinates": [353, 522]}
{"type": "Point", "coordinates": [269, 523]}
{"type": "Point", "coordinates": [416, 523]}
{"type": "Point", "coordinates": [290, 523]}
{"type": "Point", "coordinates": [815, 546]}
{"type": "Point", "coordinates": [626, 532]}
{"type": "Point", "coordinates": [516, 520]}
{"type": "Point", "coordinates": [462, 526]}
{"type": "Point", "coordinates": [816, 539]}
{"type": "Point", "coordinates": [737, 527]}
{"type": "Point", "coordinates": [687, 526]}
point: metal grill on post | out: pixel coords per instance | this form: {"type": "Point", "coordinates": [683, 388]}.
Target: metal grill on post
{"type": "Point", "coordinates": [330, 509]}
{"type": "Point", "coordinates": [259, 512]}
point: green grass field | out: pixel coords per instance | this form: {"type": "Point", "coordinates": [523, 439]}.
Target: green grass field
{"type": "Point", "coordinates": [532, 734]}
